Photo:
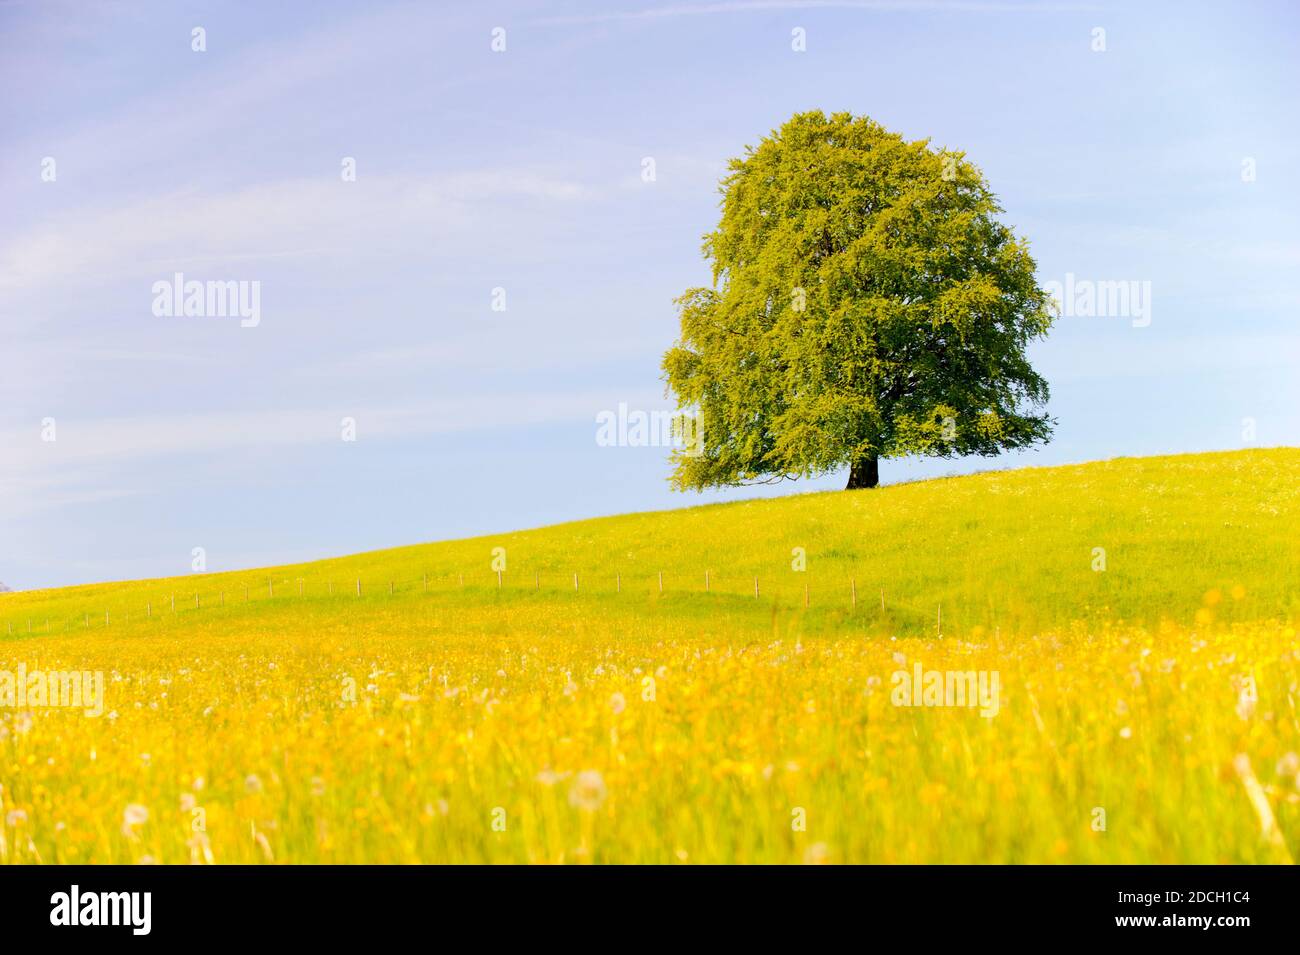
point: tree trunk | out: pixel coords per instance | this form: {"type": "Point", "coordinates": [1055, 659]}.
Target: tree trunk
{"type": "Point", "coordinates": [865, 472]}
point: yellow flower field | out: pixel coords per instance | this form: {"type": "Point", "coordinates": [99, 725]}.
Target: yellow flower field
{"type": "Point", "coordinates": [1146, 711]}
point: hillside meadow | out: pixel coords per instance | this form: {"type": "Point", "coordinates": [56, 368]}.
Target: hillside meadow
{"type": "Point", "coordinates": [1137, 615]}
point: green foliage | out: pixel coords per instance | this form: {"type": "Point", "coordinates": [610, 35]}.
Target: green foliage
{"type": "Point", "coordinates": [865, 303]}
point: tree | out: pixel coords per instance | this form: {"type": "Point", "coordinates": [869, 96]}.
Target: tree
{"type": "Point", "coordinates": [865, 303]}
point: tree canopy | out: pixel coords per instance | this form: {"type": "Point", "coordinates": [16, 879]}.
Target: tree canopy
{"type": "Point", "coordinates": [866, 303]}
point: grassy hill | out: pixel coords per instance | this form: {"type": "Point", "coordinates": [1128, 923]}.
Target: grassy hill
{"type": "Point", "coordinates": [1014, 549]}
{"type": "Point", "coordinates": [441, 716]}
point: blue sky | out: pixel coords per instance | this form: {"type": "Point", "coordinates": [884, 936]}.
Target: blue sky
{"type": "Point", "coordinates": [522, 170]}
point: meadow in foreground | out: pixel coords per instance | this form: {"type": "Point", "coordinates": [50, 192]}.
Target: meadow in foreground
{"type": "Point", "coordinates": [1147, 710]}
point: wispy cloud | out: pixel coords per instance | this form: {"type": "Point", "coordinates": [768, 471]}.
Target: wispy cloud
{"type": "Point", "coordinates": [270, 220]}
{"type": "Point", "coordinates": [82, 464]}
{"type": "Point", "coordinates": [758, 6]}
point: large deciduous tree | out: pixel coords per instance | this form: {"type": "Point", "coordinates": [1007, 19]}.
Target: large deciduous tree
{"type": "Point", "coordinates": [866, 302]}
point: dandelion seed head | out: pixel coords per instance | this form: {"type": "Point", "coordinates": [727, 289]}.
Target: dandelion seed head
{"type": "Point", "coordinates": [588, 790]}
